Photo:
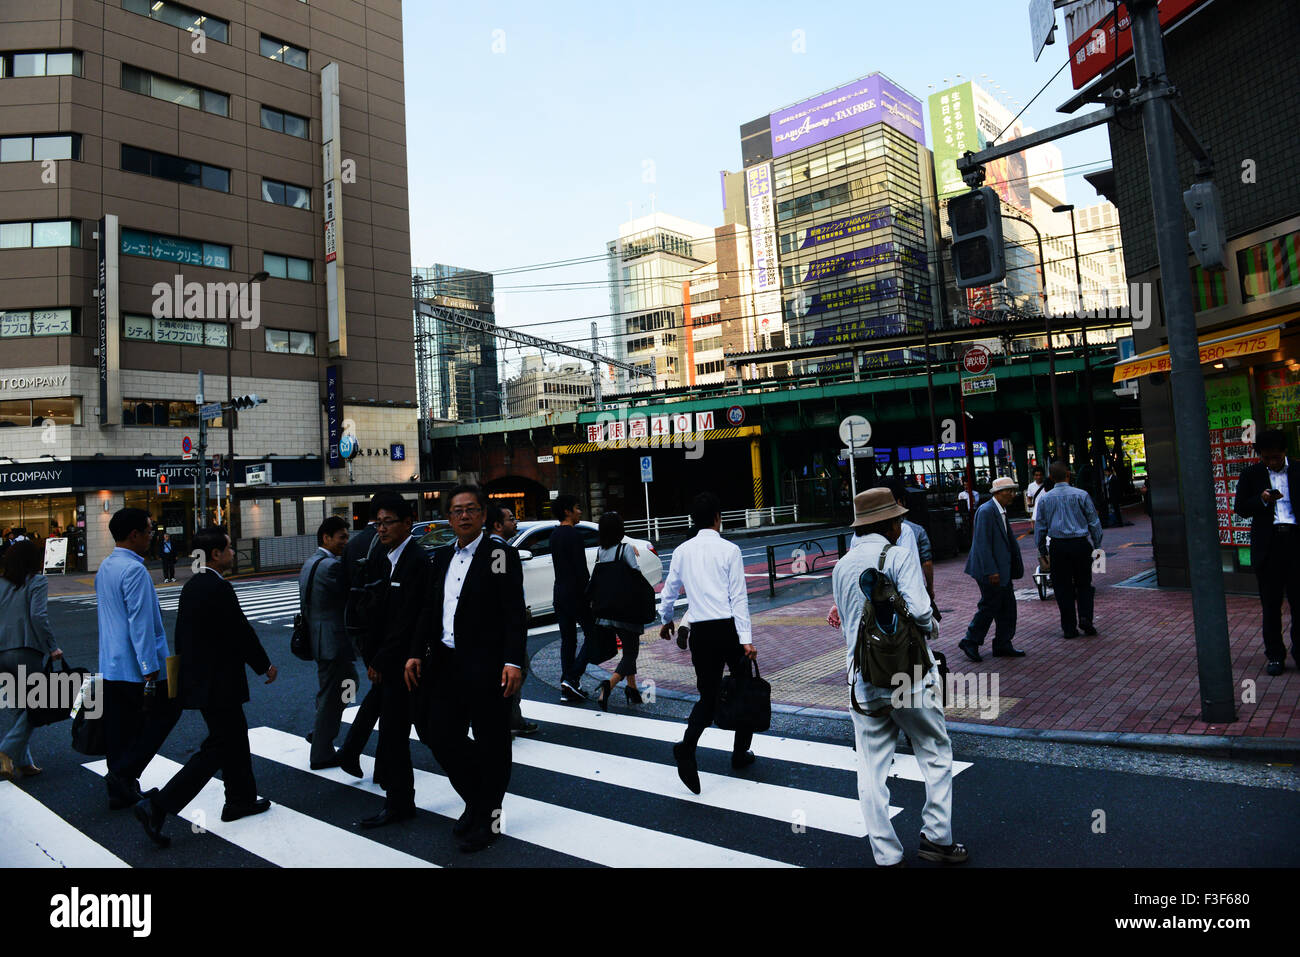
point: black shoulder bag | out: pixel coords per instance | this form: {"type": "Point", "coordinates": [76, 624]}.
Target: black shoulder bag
{"type": "Point", "coordinates": [300, 641]}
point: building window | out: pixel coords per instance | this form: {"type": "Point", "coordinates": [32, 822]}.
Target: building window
{"type": "Point", "coordinates": [179, 16]}
{"type": "Point", "coordinates": [291, 342]}
{"type": "Point", "coordinates": [35, 412]}
{"type": "Point", "coordinates": [39, 322]}
{"type": "Point", "coordinates": [174, 168]}
{"type": "Point", "coordinates": [286, 194]}
{"type": "Point", "coordinates": [41, 63]}
{"type": "Point", "coordinates": [180, 332]}
{"type": "Point", "coordinates": [286, 267]}
{"type": "Point", "coordinates": [56, 232]}
{"type": "Point", "coordinates": [283, 122]}
{"type": "Point", "coordinates": [163, 414]}
{"type": "Point", "coordinates": [274, 49]}
{"type": "Point", "coordinates": [56, 146]}
{"type": "Point", "coordinates": [172, 249]}
{"type": "Point", "coordinates": [161, 87]}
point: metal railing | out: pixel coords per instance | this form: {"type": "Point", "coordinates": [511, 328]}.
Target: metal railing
{"type": "Point", "coordinates": [804, 558]}
{"type": "Point", "coordinates": [736, 518]}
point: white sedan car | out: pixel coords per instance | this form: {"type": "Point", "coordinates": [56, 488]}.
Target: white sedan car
{"type": "Point", "coordinates": [534, 543]}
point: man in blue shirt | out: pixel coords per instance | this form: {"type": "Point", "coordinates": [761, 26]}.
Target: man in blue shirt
{"type": "Point", "coordinates": [138, 715]}
{"type": "Point", "coordinates": [1066, 515]}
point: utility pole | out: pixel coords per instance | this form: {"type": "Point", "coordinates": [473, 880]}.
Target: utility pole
{"type": "Point", "coordinates": [1089, 445]}
{"type": "Point", "coordinates": [1200, 520]}
{"type": "Point", "coordinates": [1047, 327]}
{"type": "Point", "coordinates": [595, 371]}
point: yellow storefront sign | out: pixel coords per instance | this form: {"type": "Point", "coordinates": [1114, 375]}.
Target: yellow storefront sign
{"type": "Point", "coordinates": [1214, 347]}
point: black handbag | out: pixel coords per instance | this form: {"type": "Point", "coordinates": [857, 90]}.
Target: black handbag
{"type": "Point", "coordinates": [619, 592]}
{"type": "Point", "coordinates": [745, 701]}
{"type": "Point", "coordinates": [60, 693]}
{"type": "Point", "coordinates": [89, 733]}
{"type": "Point", "coordinates": [300, 640]}
{"type": "Point", "coordinates": [601, 643]}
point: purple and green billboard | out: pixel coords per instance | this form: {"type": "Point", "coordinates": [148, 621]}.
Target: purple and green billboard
{"type": "Point", "coordinates": [859, 104]}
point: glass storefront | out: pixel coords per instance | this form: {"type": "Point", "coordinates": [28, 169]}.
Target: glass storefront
{"type": "Point", "coordinates": [41, 516]}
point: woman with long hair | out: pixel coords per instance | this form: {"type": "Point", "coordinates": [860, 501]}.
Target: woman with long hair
{"type": "Point", "coordinates": [25, 639]}
{"type": "Point", "coordinates": [610, 545]}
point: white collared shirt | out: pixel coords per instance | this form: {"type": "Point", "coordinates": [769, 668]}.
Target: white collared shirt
{"type": "Point", "coordinates": [711, 569]}
{"type": "Point", "coordinates": [457, 569]}
{"type": "Point", "coordinates": [209, 568]}
{"type": "Point", "coordinates": [1284, 513]}
{"type": "Point", "coordinates": [395, 555]}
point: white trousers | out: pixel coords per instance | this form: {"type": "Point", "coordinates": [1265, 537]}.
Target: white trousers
{"type": "Point", "coordinates": [877, 740]}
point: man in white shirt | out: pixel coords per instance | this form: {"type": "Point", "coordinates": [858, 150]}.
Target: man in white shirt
{"type": "Point", "coordinates": [713, 574]}
{"type": "Point", "coordinates": [877, 525]}
{"type": "Point", "coordinates": [1034, 487]}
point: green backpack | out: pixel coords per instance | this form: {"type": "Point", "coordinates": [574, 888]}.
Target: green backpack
{"type": "Point", "coordinates": [889, 642]}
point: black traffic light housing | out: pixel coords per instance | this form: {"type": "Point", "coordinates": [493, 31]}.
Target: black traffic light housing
{"type": "Point", "coordinates": [246, 402]}
{"type": "Point", "coordinates": [978, 255]}
{"type": "Point", "coordinates": [1208, 238]}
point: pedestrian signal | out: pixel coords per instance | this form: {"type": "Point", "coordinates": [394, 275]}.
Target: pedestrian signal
{"type": "Point", "coordinates": [162, 485]}
{"type": "Point", "coordinates": [978, 256]}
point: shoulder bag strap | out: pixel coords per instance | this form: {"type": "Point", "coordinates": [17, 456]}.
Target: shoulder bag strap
{"type": "Point", "coordinates": [880, 563]}
{"type": "Point", "coordinates": [311, 577]}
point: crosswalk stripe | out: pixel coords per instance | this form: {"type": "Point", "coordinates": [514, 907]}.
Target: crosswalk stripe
{"type": "Point", "coordinates": [31, 835]}
{"type": "Point", "coordinates": [833, 756]}
{"type": "Point", "coordinates": [556, 827]}
{"type": "Point", "coordinates": [826, 812]}
{"type": "Point", "coordinates": [282, 836]}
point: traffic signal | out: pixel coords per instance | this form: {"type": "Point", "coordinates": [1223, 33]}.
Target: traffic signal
{"type": "Point", "coordinates": [1208, 238]}
{"type": "Point", "coordinates": [246, 402]}
{"type": "Point", "coordinates": [978, 256]}
{"type": "Point", "coordinates": [162, 485]}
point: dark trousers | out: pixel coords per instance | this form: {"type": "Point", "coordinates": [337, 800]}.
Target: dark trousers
{"type": "Point", "coordinates": [132, 734]}
{"type": "Point", "coordinates": [331, 673]}
{"type": "Point", "coordinates": [1071, 573]}
{"type": "Point", "coordinates": [1278, 574]}
{"type": "Point", "coordinates": [169, 566]}
{"type": "Point", "coordinates": [997, 607]}
{"type": "Point", "coordinates": [393, 754]}
{"type": "Point", "coordinates": [569, 615]}
{"type": "Point", "coordinates": [714, 644]}
{"type": "Point", "coordinates": [362, 725]}
{"type": "Point", "coordinates": [478, 769]}
{"type": "Point", "coordinates": [225, 749]}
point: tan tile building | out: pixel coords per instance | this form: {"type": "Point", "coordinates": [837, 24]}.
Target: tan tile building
{"type": "Point", "coordinates": [182, 151]}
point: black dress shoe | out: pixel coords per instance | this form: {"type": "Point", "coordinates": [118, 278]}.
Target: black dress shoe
{"type": "Point", "coordinates": [525, 728]}
{"type": "Point", "coordinates": [602, 696]}
{"type": "Point", "coordinates": [151, 818]}
{"type": "Point", "coordinates": [970, 650]}
{"type": "Point", "coordinates": [327, 763]}
{"type": "Point", "coordinates": [478, 837]}
{"type": "Point", "coordinates": [1088, 630]}
{"type": "Point", "coordinates": [233, 812]}
{"type": "Point", "coordinates": [122, 794]}
{"type": "Point", "coordinates": [1008, 652]}
{"type": "Point", "coordinates": [1275, 667]}
{"type": "Point", "coordinates": [687, 769]}
{"type": "Point", "coordinates": [464, 824]}
{"type": "Point", "coordinates": [351, 763]}
{"type": "Point", "coordinates": [739, 761]}
{"type": "Point", "coordinates": [388, 816]}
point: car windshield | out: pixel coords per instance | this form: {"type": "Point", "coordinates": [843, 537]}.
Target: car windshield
{"type": "Point", "coordinates": [437, 536]}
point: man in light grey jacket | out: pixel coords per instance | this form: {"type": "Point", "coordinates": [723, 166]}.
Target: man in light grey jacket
{"type": "Point", "coordinates": [323, 610]}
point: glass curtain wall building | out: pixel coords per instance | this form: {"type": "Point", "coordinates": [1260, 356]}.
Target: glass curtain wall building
{"type": "Point", "coordinates": [457, 373]}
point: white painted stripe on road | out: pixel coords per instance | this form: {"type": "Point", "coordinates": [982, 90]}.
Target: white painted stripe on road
{"type": "Point", "coordinates": [282, 836]}
{"type": "Point", "coordinates": [834, 756]}
{"type": "Point", "coordinates": [31, 835]}
{"type": "Point", "coordinates": [555, 827]}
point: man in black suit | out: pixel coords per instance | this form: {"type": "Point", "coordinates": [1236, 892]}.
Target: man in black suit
{"type": "Point", "coordinates": [1266, 495]}
{"type": "Point", "coordinates": [465, 665]}
{"type": "Point", "coordinates": [352, 567]}
{"type": "Point", "coordinates": [401, 568]}
{"type": "Point", "coordinates": [214, 642]}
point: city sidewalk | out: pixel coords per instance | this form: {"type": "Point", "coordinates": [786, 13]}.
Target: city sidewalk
{"type": "Point", "coordinates": [1137, 678]}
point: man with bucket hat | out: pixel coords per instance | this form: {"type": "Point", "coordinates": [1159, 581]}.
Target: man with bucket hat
{"type": "Point", "coordinates": [914, 706]}
{"type": "Point", "coordinates": [994, 562]}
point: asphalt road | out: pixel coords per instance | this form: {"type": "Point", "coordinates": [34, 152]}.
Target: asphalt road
{"type": "Point", "coordinates": [600, 789]}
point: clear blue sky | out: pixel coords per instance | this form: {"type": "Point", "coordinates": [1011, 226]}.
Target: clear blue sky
{"type": "Point", "coordinates": [533, 154]}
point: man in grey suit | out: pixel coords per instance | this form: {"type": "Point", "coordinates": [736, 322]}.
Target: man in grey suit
{"type": "Point", "coordinates": [323, 610]}
{"type": "Point", "coordinates": [994, 562]}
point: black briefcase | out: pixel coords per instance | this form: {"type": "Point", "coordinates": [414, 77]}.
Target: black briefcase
{"type": "Point", "coordinates": [89, 735]}
{"type": "Point", "coordinates": [745, 701]}
{"type": "Point", "coordinates": [62, 690]}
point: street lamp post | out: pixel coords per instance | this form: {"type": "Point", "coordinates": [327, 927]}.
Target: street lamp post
{"type": "Point", "coordinates": [229, 413]}
{"type": "Point", "coordinates": [1087, 365]}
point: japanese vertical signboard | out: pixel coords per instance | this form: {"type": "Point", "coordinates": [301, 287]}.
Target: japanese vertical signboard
{"type": "Point", "coordinates": [332, 169]}
{"type": "Point", "coordinates": [110, 338]}
{"type": "Point", "coordinates": [762, 237]}
{"type": "Point", "coordinates": [1228, 406]}
{"type": "Point", "coordinates": [333, 419]}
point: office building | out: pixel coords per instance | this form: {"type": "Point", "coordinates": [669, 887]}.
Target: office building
{"type": "Point", "coordinates": [541, 389]}
{"type": "Point", "coordinates": [156, 158]}
{"type": "Point", "coordinates": [456, 364]}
